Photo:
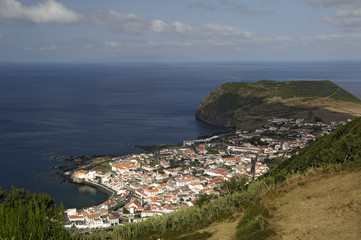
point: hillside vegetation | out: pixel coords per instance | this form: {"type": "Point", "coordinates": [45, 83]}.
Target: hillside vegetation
{"type": "Point", "coordinates": [342, 146]}
{"type": "Point", "coordinates": [247, 104]}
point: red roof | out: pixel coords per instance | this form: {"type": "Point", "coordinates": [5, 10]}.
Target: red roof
{"type": "Point", "coordinates": [94, 215]}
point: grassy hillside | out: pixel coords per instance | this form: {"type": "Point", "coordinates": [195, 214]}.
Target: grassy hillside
{"type": "Point", "coordinates": [246, 104]}
{"type": "Point", "coordinates": [342, 146]}
{"type": "Point", "coordinates": [313, 195]}
{"type": "Point", "coordinates": [336, 152]}
{"type": "Point", "coordinates": [312, 89]}
{"type": "Point", "coordinates": [323, 206]}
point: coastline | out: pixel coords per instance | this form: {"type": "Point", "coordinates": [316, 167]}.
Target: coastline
{"type": "Point", "coordinates": [77, 162]}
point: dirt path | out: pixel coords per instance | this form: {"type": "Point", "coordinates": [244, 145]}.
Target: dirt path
{"type": "Point", "coordinates": [333, 93]}
{"type": "Point", "coordinates": [329, 208]}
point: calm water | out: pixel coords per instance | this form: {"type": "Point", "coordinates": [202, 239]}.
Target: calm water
{"type": "Point", "coordinates": [59, 110]}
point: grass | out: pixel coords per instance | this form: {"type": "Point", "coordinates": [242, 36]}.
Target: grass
{"type": "Point", "coordinates": [324, 206]}
{"type": "Point", "coordinates": [195, 236]}
{"type": "Point", "coordinates": [312, 89]}
{"type": "Point", "coordinates": [224, 230]}
{"type": "Point", "coordinates": [117, 206]}
{"type": "Point", "coordinates": [232, 92]}
{"type": "Point", "coordinates": [104, 166]}
{"type": "Point", "coordinates": [254, 224]}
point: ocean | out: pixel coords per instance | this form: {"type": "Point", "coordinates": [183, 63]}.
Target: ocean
{"type": "Point", "coordinates": [49, 112]}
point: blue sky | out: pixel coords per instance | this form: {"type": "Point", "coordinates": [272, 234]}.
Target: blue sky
{"type": "Point", "coordinates": [179, 30]}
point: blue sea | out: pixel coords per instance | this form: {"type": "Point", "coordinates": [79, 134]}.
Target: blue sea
{"type": "Point", "coordinates": [52, 111]}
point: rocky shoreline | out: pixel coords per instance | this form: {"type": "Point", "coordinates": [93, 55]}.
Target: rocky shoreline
{"type": "Point", "coordinates": [64, 173]}
{"type": "Point", "coordinates": [77, 162]}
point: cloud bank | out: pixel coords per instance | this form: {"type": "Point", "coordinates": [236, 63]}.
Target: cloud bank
{"type": "Point", "coordinates": [42, 49]}
{"type": "Point", "coordinates": [347, 16]}
{"type": "Point", "coordinates": [275, 42]}
{"type": "Point", "coordinates": [132, 24]}
{"type": "Point", "coordinates": [328, 3]}
{"type": "Point", "coordinates": [47, 11]}
{"type": "Point", "coordinates": [347, 19]}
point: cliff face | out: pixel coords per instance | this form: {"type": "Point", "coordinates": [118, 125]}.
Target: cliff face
{"type": "Point", "coordinates": [247, 105]}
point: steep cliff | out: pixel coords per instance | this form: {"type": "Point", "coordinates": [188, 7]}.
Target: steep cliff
{"type": "Point", "coordinates": [249, 104]}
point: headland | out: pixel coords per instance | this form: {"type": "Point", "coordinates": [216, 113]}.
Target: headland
{"type": "Point", "coordinates": [246, 105]}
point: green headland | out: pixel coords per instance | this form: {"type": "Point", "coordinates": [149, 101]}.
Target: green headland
{"type": "Point", "coordinates": [248, 104]}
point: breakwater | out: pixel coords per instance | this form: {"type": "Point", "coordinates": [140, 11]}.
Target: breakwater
{"type": "Point", "coordinates": [109, 192]}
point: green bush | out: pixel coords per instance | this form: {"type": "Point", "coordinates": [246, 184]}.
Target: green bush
{"type": "Point", "coordinates": [30, 216]}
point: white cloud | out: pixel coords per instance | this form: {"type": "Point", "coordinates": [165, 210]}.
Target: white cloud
{"type": "Point", "coordinates": [204, 43]}
{"type": "Point", "coordinates": [132, 24]}
{"type": "Point", "coordinates": [335, 40]}
{"type": "Point", "coordinates": [42, 49]}
{"type": "Point", "coordinates": [208, 31]}
{"type": "Point", "coordinates": [158, 26]}
{"type": "Point", "coordinates": [125, 23]}
{"type": "Point", "coordinates": [181, 28]}
{"type": "Point", "coordinates": [340, 40]}
{"type": "Point", "coordinates": [222, 30]}
{"type": "Point", "coordinates": [347, 16]}
{"type": "Point", "coordinates": [328, 3]}
{"type": "Point", "coordinates": [347, 19]}
{"type": "Point", "coordinates": [47, 11]}
{"type": "Point", "coordinates": [128, 45]}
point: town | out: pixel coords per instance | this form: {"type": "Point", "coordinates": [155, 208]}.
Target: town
{"type": "Point", "coordinates": [158, 182]}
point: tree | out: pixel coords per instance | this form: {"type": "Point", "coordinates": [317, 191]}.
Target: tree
{"type": "Point", "coordinates": [202, 199]}
{"type": "Point", "coordinates": [30, 216]}
{"type": "Point", "coordinates": [172, 163]}
{"type": "Point", "coordinates": [235, 184]}
{"type": "Point", "coordinates": [2, 194]}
